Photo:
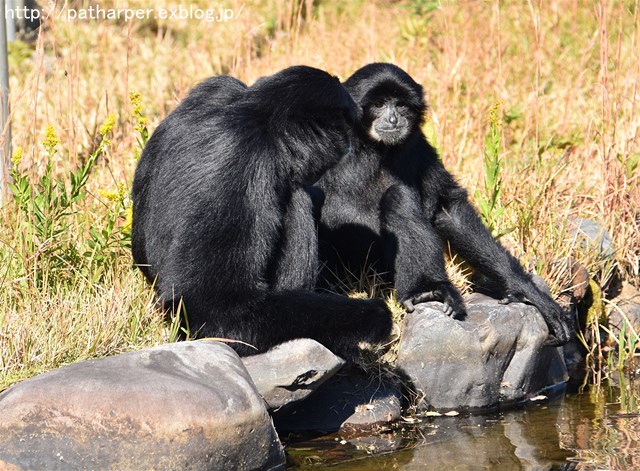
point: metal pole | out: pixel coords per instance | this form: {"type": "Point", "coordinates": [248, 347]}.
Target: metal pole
{"type": "Point", "coordinates": [5, 127]}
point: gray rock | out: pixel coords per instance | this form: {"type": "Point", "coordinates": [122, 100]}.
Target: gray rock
{"type": "Point", "coordinates": [495, 355]}
{"type": "Point", "coordinates": [376, 444]}
{"type": "Point", "coordinates": [351, 401]}
{"type": "Point", "coordinates": [624, 319]}
{"type": "Point", "coordinates": [593, 236]}
{"type": "Point", "coordinates": [188, 405]}
{"type": "Point", "coordinates": [291, 371]}
{"type": "Point", "coordinates": [625, 315]}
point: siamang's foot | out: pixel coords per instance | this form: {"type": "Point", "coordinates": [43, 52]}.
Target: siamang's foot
{"type": "Point", "coordinates": [453, 305]}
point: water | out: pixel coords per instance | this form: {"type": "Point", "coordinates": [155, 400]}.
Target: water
{"type": "Point", "coordinates": [596, 429]}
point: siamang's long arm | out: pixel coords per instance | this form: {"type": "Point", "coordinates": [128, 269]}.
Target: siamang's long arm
{"type": "Point", "coordinates": [414, 249]}
{"type": "Point", "coordinates": [458, 222]}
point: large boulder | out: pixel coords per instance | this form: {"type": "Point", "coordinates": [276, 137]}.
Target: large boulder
{"type": "Point", "coordinates": [496, 355]}
{"type": "Point", "coordinates": [188, 405]}
{"type": "Point", "coordinates": [291, 371]}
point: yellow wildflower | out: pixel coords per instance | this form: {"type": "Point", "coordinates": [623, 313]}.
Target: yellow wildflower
{"type": "Point", "coordinates": [50, 139]}
{"type": "Point", "coordinates": [128, 221]}
{"type": "Point", "coordinates": [122, 191]}
{"type": "Point", "coordinates": [114, 195]}
{"type": "Point", "coordinates": [135, 98]}
{"type": "Point", "coordinates": [494, 117]}
{"type": "Point", "coordinates": [108, 125]}
{"type": "Point", "coordinates": [142, 123]}
{"type": "Point", "coordinates": [109, 194]}
{"type": "Point", "coordinates": [16, 158]}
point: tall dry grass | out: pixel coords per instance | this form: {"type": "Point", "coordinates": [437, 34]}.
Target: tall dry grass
{"type": "Point", "coordinates": [565, 71]}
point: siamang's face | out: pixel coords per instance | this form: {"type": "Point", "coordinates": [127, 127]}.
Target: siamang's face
{"type": "Point", "coordinates": [389, 120]}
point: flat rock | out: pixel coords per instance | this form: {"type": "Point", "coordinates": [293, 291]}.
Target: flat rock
{"type": "Point", "coordinates": [496, 355]}
{"type": "Point", "coordinates": [187, 405]}
{"type": "Point", "coordinates": [291, 371]}
{"type": "Point", "coordinates": [351, 401]}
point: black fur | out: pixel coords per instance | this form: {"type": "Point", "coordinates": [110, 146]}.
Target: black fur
{"type": "Point", "coordinates": [222, 219]}
{"type": "Point", "coordinates": [391, 206]}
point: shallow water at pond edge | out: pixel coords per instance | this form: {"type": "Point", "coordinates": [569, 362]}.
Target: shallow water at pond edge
{"type": "Point", "coordinates": [596, 429]}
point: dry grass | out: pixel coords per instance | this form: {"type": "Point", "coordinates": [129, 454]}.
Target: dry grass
{"type": "Point", "coordinates": [567, 73]}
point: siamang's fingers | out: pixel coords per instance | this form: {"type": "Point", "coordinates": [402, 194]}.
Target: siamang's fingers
{"type": "Point", "coordinates": [434, 295]}
{"type": "Point", "coordinates": [511, 298]}
{"type": "Point", "coordinates": [455, 303]}
{"type": "Point", "coordinates": [408, 305]}
{"type": "Point", "coordinates": [552, 341]}
{"type": "Point", "coordinates": [559, 322]}
{"type": "Point", "coordinates": [448, 310]}
{"type": "Point", "coordinates": [452, 301]}
{"type": "Point", "coordinates": [561, 330]}
{"type": "Point", "coordinates": [557, 339]}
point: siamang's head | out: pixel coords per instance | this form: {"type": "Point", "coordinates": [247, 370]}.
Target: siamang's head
{"type": "Point", "coordinates": [312, 117]}
{"type": "Point", "coordinates": [392, 102]}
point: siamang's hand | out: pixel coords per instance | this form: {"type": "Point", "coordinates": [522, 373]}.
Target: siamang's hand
{"type": "Point", "coordinates": [558, 320]}
{"type": "Point", "coordinates": [513, 298]}
{"type": "Point", "coordinates": [453, 305]}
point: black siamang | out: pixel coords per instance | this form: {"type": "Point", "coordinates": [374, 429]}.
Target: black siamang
{"type": "Point", "coordinates": [222, 219]}
{"type": "Point", "coordinates": [391, 206]}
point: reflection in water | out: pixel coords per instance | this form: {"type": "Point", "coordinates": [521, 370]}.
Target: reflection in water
{"type": "Point", "coordinates": [602, 427]}
{"type": "Point", "coordinates": [596, 430]}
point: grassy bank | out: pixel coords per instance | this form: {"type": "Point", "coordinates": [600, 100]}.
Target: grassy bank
{"type": "Point", "coordinates": [561, 76]}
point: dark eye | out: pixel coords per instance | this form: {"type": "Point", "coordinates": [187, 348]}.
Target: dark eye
{"type": "Point", "coordinates": [378, 104]}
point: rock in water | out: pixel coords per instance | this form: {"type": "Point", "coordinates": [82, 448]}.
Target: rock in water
{"type": "Point", "coordinates": [187, 405]}
{"type": "Point", "coordinates": [495, 355]}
